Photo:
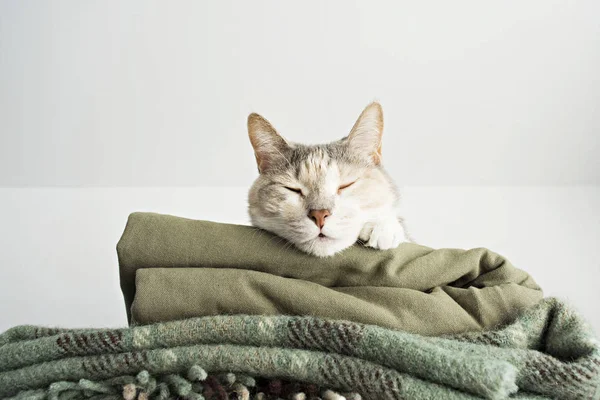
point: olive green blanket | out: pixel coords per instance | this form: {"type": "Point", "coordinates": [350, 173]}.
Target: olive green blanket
{"type": "Point", "coordinates": [174, 268]}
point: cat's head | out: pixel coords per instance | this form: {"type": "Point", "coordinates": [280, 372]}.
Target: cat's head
{"type": "Point", "coordinates": [319, 197]}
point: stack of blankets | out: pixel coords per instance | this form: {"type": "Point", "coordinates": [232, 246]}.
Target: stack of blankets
{"type": "Point", "coordinates": [221, 311]}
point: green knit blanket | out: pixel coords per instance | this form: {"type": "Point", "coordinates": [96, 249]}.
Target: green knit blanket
{"type": "Point", "coordinates": [548, 351]}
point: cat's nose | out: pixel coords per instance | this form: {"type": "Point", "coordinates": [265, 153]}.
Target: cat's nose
{"type": "Point", "coordinates": [318, 216]}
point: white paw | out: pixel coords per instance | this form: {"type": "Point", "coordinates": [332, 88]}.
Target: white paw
{"type": "Point", "coordinates": [384, 234]}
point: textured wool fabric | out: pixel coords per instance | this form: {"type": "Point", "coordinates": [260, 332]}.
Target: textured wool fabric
{"type": "Point", "coordinates": [173, 268]}
{"type": "Point", "coordinates": [547, 351]}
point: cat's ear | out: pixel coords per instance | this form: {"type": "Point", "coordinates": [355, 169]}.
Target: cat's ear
{"type": "Point", "coordinates": [365, 137]}
{"type": "Point", "coordinates": [268, 145]}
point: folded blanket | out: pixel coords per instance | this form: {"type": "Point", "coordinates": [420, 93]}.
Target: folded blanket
{"type": "Point", "coordinates": [174, 268]}
{"type": "Point", "coordinates": [547, 352]}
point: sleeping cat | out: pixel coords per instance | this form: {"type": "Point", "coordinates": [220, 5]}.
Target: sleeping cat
{"type": "Point", "coordinates": [324, 198]}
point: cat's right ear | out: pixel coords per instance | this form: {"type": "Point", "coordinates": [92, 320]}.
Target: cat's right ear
{"type": "Point", "coordinates": [268, 145]}
{"type": "Point", "coordinates": [365, 137]}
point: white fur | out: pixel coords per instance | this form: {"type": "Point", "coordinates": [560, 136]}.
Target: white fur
{"type": "Point", "coordinates": [365, 210]}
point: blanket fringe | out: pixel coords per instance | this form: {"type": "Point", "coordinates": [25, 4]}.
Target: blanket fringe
{"type": "Point", "coordinates": [196, 384]}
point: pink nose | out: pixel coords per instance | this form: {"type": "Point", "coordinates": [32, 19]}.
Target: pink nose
{"type": "Point", "coordinates": [318, 216]}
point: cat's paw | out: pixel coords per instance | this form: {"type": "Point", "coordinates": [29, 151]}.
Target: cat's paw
{"type": "Point", "coordinates": [384, 234]}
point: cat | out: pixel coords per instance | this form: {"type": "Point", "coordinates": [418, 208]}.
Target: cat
{"type": "Point", "coordinates": [325, 198]}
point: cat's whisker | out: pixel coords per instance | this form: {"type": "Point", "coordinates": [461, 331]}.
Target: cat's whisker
{"type": "Point", "coordinates": [287, 245]}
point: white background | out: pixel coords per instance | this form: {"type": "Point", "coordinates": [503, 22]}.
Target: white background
{"type": "Point", "coordinates": [108, 107]}
{"type": "Point", "coordinates": [153, 93]}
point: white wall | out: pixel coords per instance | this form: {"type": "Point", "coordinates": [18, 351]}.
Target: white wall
{"type": "Point", "coordinates": [58, 263]}
{"type": "Point", "coordinates": [154, 93]}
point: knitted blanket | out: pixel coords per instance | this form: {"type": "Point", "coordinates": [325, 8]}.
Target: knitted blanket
{"type": "Point", "coordinates": [546, 352]}
{"type": "Point", "coordinates": [174, 268]}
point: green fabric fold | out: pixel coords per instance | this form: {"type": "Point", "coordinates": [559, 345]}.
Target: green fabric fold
{"type": "Point", "coordinates": [173, 268]}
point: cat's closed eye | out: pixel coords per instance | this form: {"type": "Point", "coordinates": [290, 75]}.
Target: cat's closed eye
{"type": "Point", "coordinates": [347, 185]}
{"type": "Point", "coordinates": [295, 190]}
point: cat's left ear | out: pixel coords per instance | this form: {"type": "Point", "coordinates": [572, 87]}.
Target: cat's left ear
{"type": "Point", "coordinates": [269, 146]}
{"type": "Point", "coordinates": [365, 137]}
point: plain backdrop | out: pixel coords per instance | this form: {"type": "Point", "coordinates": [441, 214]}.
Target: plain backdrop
{"type": "Point", "coordinates": [154, 93]}
{"type": "Point", "coordinates": [492, 114]}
